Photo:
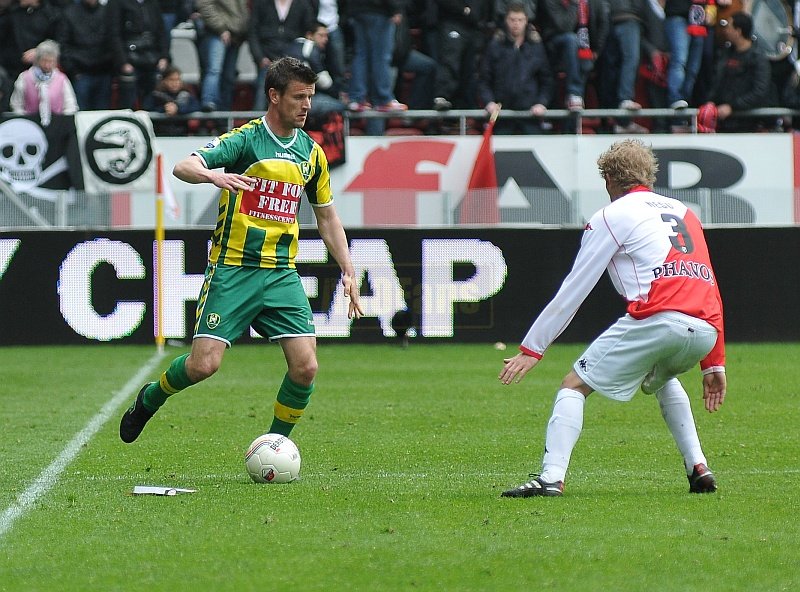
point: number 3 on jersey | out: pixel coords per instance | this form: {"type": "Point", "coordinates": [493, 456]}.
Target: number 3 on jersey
{"type": "Point", "coordinates": [680, 239]}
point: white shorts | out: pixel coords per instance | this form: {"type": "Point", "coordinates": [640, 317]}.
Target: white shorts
{"type": "Point", "coordinates": [664, 345]}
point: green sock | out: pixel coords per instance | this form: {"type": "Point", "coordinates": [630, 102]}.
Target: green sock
{"type": "Point", "coordinates": [172, 381]}
{"type": "Point", "coordinates": [289, 406]}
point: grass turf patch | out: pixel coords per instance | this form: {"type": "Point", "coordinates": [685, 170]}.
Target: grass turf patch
{"type": "Point", "coordinates": [405, 453]}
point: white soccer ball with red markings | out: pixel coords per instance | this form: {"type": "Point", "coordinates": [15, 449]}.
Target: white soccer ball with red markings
{"type": "Point", "coordinates": [273, 458]}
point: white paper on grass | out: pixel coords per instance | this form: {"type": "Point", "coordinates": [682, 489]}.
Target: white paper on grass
{"type": "Point", "coordinates": [151, 490]}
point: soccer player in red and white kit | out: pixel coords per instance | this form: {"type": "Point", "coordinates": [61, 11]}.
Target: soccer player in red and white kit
{"type": "Point", "coordinates": [654, 250]}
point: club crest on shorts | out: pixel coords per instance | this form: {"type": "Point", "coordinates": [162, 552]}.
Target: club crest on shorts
{"type": "Point", "coordinates": [213, 320]}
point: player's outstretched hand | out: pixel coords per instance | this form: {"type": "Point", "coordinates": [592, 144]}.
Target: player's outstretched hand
{"type": "Point", "coordinates": [714, 385]}
{"type": "Point", "coordinates": [517, 367]}
{"type": "Point", "coordinates": [354, 309]}
{"type": "Point", "coordinates": [233, 181]}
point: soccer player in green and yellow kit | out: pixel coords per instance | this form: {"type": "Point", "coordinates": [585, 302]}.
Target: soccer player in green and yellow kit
{"type": "Point", "coordinates": [251, 279]}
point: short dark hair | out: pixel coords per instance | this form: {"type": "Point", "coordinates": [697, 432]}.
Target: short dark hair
{"type": "Point", "coordinates": [316, 26]}
{"type": "Point", "coordinates": [285, 70]}
{"type": "Point", "coordinates": [743, 22]}
{"type": "Point", "coordinates": [516, 6]}
{"type": "Point", "coordinates": [170, 70]}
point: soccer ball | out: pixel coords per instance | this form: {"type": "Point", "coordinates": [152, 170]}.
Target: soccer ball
{"type": "Point", "coordinates": [273, 458]}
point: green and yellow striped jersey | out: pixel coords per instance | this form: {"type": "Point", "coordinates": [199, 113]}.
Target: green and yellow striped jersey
{"type": "Point", "coordinates": [258, 227]}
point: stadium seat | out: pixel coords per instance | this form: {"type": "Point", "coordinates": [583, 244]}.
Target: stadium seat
{"type": "Point", "coordinates": [246, 66]}
{"type": "Point", "coordinates": [246, 75]}
{"type": "Point", "coordinates": [183, 52]}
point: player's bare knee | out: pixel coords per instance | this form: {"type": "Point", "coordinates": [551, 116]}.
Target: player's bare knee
{"type": "Point", "coordinates": [304, 372]}
{"type": "Point", "coordinates": [573, 381]}
{"type": "Point", "coordinates": [199, 368]}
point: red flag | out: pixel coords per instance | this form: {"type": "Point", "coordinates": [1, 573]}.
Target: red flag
{"type": "Point", "coordinates": [479, 205]}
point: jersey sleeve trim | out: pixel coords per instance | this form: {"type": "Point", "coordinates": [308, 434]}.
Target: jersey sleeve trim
{"type": "Point", "coordinates": [201, 157]}
{"type": "Point", "coordinates": [530, 352]}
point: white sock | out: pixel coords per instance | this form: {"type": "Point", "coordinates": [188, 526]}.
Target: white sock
{"type": "Point", "coordinates": [677, 412]}
{"type": "Point", "coordinates": [563, 431]}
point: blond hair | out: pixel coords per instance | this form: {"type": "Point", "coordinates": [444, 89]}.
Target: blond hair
{"type": "Point", "coordinates": [629, 163]}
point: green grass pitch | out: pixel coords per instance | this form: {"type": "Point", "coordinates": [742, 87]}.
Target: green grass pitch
{"type": "Point", "coordinates": [405, 453]}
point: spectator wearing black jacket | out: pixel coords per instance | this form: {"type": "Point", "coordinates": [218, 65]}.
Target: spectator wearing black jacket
{"type": "Point", "coordinates": [573, 45]}
{"type": "Point", "coordinates": [271, 32]}
{"type": "Point", "coordinates": [138, 48]}
{"type": "Point", "coordinates": [516, 74]}
{"type": "Point", "coordinates": [24, 24]}
{"type": "Point", "coordinates": [461, 24]}
{"type": "Point", "coordinates": [742, 78]}
{"type": "Point", "coordinates": [85, 53]}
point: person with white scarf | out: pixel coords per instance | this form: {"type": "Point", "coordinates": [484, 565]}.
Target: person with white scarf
{"type": "Point", "coordinates": [43, 89]}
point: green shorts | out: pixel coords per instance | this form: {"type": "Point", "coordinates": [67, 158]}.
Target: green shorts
{"type": "Point", "coordinates": [233, 298]}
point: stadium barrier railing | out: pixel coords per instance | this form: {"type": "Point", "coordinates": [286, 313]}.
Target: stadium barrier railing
{"type": "Point", "coordinates": [781, 117]}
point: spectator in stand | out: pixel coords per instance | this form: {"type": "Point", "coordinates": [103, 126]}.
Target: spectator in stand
{"type": "Point", "coordinates": [712, 44]}
{"type": "Point", "coordinates": [685, 28]}
{"type": "Point", "coordinates": [84, 39]}
{"type": "Point", "coordinates": [742, 80]}
{"type": "Point", "coordinates": [328, 15]}
{"type": "Point", "coordinates": [618, 65]}
{"type": "Point", "coordinates": [374, 24]}
{"type": "Point", "coordinates": [169, 16]}
{"type": "Point", "coordinates": [515, 73]}
{"type": "Point", "coordinates": [7, 54]}
{"type": "Point", "coordinates": [137, 46]}
{"type": "Point", "coordinates": [790, 95]}
{"type": "Point", "coordinates": [311, 50]}
{"type": "Point", "coordinates": [171, 97]}
{"type": "Point", "coordinates": [460, 39]}
{"type": "Point", "coordinates": [574, 34]}
{"type": "Point", "coordinates": [408, 60]}
{"type": "Point", "coordinates": [424, 15]}
{"type": "Point", "coordinates": [172, 13]}
{"type": "Point", "coordinates": [43, 89]}
{"type": "Point", "coordinates": [226, 28]}
{"type": "Point", "coordinates": [653, 70]}
{"type": "Point", "coordinates": [274, 24]}
{"type": "Point", "coordinates": [24, 24]}
{"type": "Point", "coordinates": [6, 86]}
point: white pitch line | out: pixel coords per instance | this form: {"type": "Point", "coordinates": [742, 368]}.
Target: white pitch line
{"type": "Point", "coordinates": [50, 475]}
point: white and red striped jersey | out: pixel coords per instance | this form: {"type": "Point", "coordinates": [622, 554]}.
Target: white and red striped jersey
{"type": "Point", "coordinates": [656, 255]}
